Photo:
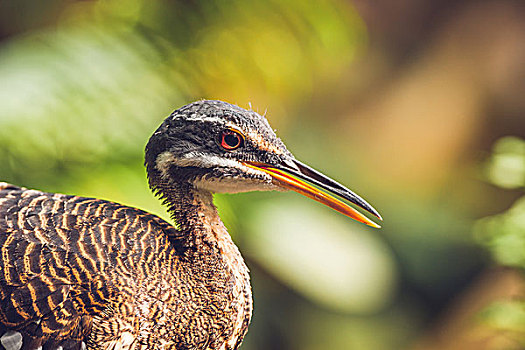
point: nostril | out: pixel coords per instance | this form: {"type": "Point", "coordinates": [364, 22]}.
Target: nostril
{"type": "Point", "coordinates": [289, 163]}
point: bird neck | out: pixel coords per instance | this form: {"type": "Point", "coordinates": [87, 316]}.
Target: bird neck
{"type": "Point", "coordinates": [200, 227]}
{"type": "Point", "coordinates": [207, 250]}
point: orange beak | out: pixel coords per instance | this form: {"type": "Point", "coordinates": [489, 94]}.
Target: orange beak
{"type": "Point", "coordinates": [301, 178]}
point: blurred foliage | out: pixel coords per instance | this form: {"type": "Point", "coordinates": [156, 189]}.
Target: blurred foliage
{"type": "Point", "coordinates": [504, 234]}
{"type": "Point", "coordinates": [507, 317]}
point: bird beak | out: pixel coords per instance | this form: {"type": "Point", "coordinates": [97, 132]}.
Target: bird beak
{"type": "Point", "coordinates": [300, 178]}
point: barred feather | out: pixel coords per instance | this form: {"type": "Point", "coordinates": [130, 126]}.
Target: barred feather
{"type": "Point", "coordinates": [87, 273]}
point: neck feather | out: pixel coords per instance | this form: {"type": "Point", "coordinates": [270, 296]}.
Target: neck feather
{"type": "Point", "coordinates": [198, 222]}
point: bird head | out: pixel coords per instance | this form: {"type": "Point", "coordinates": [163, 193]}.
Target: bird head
{"type": "Point", "coordinates": [218, 147]}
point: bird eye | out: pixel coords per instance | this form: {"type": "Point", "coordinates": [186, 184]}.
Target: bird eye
{"type": "Point", "coordinates": [231, 140]}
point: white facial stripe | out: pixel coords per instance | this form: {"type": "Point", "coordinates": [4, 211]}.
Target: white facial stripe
{"type": "Point", "coordinates": [202, 118]}
{"type": "Point", "coordinates": [198, 159]}
{"type": "Point", "coordinates": [232, 185]}
{"type": "Point", "coordinates": [202, 160]}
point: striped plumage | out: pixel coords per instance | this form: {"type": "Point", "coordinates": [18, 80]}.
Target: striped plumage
{"type": "Point", "coordinates": [85, 273]}
{"type": "Point", "coordinates": [81, 269]}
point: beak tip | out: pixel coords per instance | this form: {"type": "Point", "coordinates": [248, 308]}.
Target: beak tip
{"type": "Point", "coordinates": [372, 211]}
{"type": "Point", "coordinates": [373, 224]}
{"type": "Point", "coordinates": [318, 187]}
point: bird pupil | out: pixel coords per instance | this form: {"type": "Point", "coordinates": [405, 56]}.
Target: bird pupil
{"type": "Point", "coordinates": [231, 140]}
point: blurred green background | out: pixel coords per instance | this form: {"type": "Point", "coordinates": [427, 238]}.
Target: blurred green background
{"type": "Point", "coordinates": [416, 105]}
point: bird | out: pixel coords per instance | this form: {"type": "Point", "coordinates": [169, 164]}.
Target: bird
{"type": "Point", "coordinates": [86, 273]}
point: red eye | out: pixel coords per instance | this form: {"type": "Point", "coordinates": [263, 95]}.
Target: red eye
{"type": "Point", "coordinates": [231, 140]}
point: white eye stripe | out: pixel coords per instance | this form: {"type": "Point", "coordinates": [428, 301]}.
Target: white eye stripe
{"type": "Point", "coordinates": [196, 159]}
{"type": "Point", "coordinates": [204, 118]}
{"type": "Point", "coordinates": [207, 119]}
{"type": "Point", "coordinates": [199, 160]}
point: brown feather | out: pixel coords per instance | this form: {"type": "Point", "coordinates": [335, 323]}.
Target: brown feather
{"type": "Point", "coordinates": [76, 270]}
